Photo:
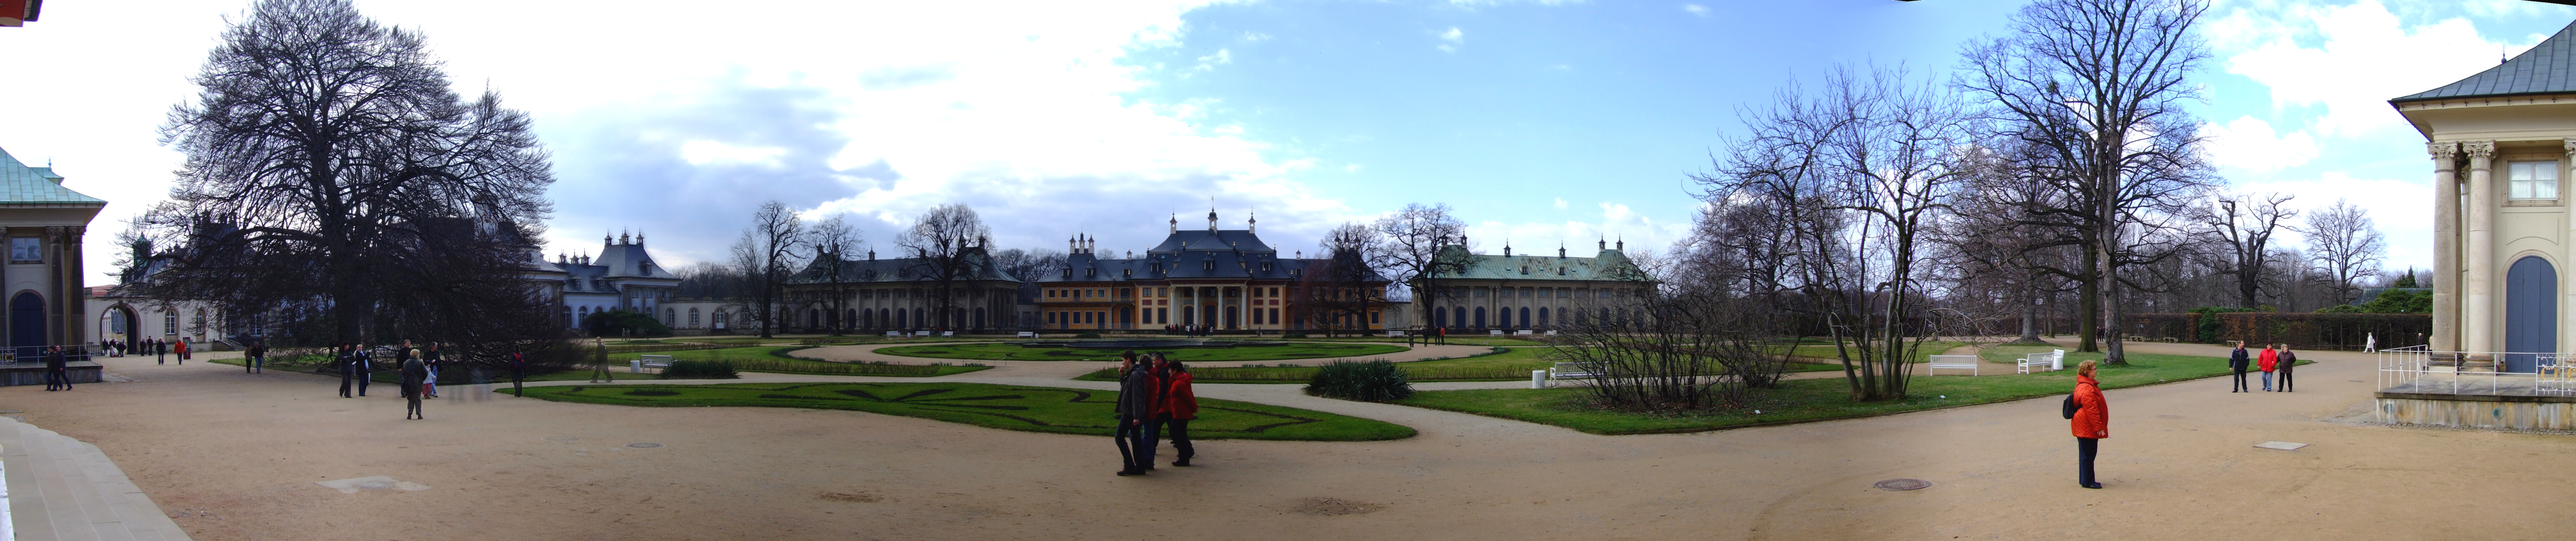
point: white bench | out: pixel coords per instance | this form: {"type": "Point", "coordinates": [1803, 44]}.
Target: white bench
{"type": "Point", "coordinates": [920, 334]}
{"type": "Point", "coordinates": [894, 334]}
{"type": "Point", "coordinates": [649, 361]}
{"type": "Point", "coordinates": [1494, 333]}
{"type": "Point", "coordinates": [1523, 333]}
{"type": "Point", "coordinates": [947, 333]}
{"type": "Point", "coordinates": [1955, 362]}
{"type": "Point", "coordinates": [1551, 333]}
{"type": "Point", "coordinates": [2042, 362]}
{"type": "Point", "coordinates": [1574, 371]}
{"type": "Point", "coordinates": [1026, 334]}
{"type": "Point", "coordinates": [1395, 334]}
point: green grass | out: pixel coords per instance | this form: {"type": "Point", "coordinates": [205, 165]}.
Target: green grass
{"type": "Point", "coordinates": [772, 359]}
{"type": "Point", "coordinates": [1009, 407]}
{"type": "Point", "coordinates": [1011, 352]}
{"type": "Point", "coordinates": [1513, 364]}
{"type": "Point", "coordinates": [1810, 400]}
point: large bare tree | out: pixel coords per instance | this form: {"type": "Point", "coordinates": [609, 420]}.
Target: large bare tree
{"type": "Point", "coordinates": [1418, 243]}
{"type": "Point", "coordinates": [833, 239]}
{"type": "Point", "coordinates": [1335, 294]}
{"type": "Point", "coordinates": [943, 244]}
{"type": "Point", "coordinates": [2345, 247]}
{"type": "Point", "coordinates": [2100, 91]}
{"type": "Point", "coordinates": [2242, 226]}
{"type": "Point", "coordinates": [766, 256]}
{"type": "Point", "coordinates": [332, 177]}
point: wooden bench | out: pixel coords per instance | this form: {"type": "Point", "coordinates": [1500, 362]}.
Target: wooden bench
{"type": "Point", "coordinates": [1026, 334]}
{"type": "Point", "coordinates": [2041, 362]}
{"type": "Point", "coordinates": [1395, 334]}
{"type": "Point", "coordinates": [656, 362]}
{"type": "Point", "coordinates": [920, 334]}
{"type": "Point", "coordinates": [1523, 333]}
{"type": "Point", "coordinates": [1574, 371]}
{"type": "Point", "coordinates": [947, 333]}
{"type": "Point", "coordinates": [1955, 362]}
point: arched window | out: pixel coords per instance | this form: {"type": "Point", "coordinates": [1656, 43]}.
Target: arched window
{"type": "Point", "coordinates": [1439, 318]}
{"type": "Point", "coordinates": [899, 317]}
{"type": "Point", "coordinates": [722, 319]}
{"type": "Point", "coordinates": [693, 318]}
{"type": "Point", "coordinates": [1461, 316]}
{"type": "Point", "coordinates": [670, 316]}
{"type": "Point", "coordinates": [1525, 320]}
{"type": "Point", "coordinates": [1480, 317]}
{"type": "Point", "coordinates": [1542, 316]}
{"type": "Point", "coordinates": [850, 318]}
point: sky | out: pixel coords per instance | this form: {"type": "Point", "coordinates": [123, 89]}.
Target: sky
{"type": "Point", "coordinates": [1541, 124]}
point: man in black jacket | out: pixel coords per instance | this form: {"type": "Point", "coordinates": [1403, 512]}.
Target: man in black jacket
{"type": "Point", "coordinates": [1138, 392]}
{"type": "Point", "coordinates": [2236, 360]}
{"type": "Point", "coordinates": [55, 379]}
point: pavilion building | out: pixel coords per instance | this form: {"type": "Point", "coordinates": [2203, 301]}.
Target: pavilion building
{"type": "Point", "coordinates": [44, 223]}
{"type": "Point", "coordinates": [1224, 279]}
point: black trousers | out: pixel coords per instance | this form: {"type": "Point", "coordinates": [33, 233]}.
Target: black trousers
{"type": "Point", "coordinates": [1180, 434]}
{"type": "Point", "coordinates": [2285, 379]}
{"type": "Point", "coordinates": [2085, 448]}
{"type": "Point", "coordinates": [2240, 381]}
{"type": "Point", "coordinates": [54, 380]}
{"type": "Point", "coordinates": [1125, 434]}
{"type": "Point", "coordinates": [363, 376]}
{"type": "Point", "coordinates": [344, 381]}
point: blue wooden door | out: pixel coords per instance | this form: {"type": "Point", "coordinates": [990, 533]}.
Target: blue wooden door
{"type": "Point", "coordinates": [2530, 312]}
{"type": "Point", "coordinates": [27, 321]}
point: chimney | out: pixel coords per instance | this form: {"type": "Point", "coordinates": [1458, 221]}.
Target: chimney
{"type": "Point", "coordinates": [1623, 244]}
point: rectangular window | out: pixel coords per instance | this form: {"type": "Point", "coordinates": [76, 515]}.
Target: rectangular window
{"type": "Point", "coordinates": [1480, 293]}
{"type": "Point", "coordinates": [2529, 180]}
{"type": "Point", "coordinates": [26, 249]}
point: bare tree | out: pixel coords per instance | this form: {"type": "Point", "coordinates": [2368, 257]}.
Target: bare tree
{"type": "Point", "coordinates": [1418, 245]}
{"type": "Point", "coordinates": [2100, 90]}
{"type": "Point", "coordinates": [833, 240]}
{"type": "Point", "coordinates": [711, 280]}
{"type": "Point", "coordinates": [1027, 265]}
{"type": "Point", "coordinates": [2246, 223]}
{"type": "Point", "coordinates": [332, 174]}
{"type": "Point", "coordinates": [943, 244]}
{"type": "Point", "coordinates": [2346, 247]}
{"type": "Point", "coordinates": [1335, 294]}
{"type": "Point", "coordinates": [766, 257]}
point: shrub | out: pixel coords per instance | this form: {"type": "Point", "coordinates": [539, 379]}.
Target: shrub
{"type": "Point", "coordinates": [623, 323]}
{"type": "Point", "coordinates": [1294, 334]}
{"type": "Point", "coordinates": [1366, 381]}
{"type": "Point", "coordinates": [1087, 335]}
{"type": "Point", "coordinates": [700, 370]}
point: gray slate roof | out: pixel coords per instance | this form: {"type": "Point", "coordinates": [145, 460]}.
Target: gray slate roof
{"type": "Point", "coordinates": [894, 270]}
{"type": "Point", "coordinates": [24, 185]}
{"type": "Point", "coordinates": [1229, 240]}
{"type": "Point", "coordinates": [2547, 68]}
{"type": "Point", "coordinates": [1610, 264]}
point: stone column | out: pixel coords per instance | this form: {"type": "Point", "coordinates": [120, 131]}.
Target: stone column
{"type": "Point", "coordinates": [2477, 327]}
{"type": "Point", "coordinates": [2446, 246]}
{"type": "Point", "coordinates": [76, 323]}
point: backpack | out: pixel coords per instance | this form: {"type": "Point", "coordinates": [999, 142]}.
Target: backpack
{"type": "Point", "coordinates": [2070, 406]}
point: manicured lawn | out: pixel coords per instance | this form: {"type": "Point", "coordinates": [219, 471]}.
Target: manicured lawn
{"type": "Point", "coordinates": [772, 359]}
{"type": "Point", "coordinates": [1513, 364]}
{"type": "Point", "coordinates": [996, 352]}
{"type": "Point", "coordinates": [1810, 400]}
{"type": "Point", "coordinates": [1009, 407]}
{"type": "Point", "coordinates": [1826, 351]}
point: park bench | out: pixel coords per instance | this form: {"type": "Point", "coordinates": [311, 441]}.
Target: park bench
{"type": "Point", "coordinates": [1955, 362]}
{"type": "Point", "coordinates": [1395, 334]}
{"type": "Point", "coordinates": [1574, 371]}
{"type": "Point", "coordinates": [920, 334]}
{"type": "Point", "coordinates": [947, 333]}
{"type": "Point", "coordinates": [2041, 362]}
{"type": "Point", "coordinates": [1523, 333]}
{"type": "Point", "coordinates": [656, 362]}
{"type": "Point", "coordinates": [1494, 333]}
{"type": "Point", "coordinates": [894, 334]}
{"type": "Point", "coordinates": [1026, 334]}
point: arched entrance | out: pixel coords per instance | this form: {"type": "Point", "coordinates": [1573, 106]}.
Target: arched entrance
{"type": "Point", "coordinates": [119, 323]}
{"type": "Point", "coordinates": [27, 320]}
{"type": "Point", "coordinates": [2530, 312]}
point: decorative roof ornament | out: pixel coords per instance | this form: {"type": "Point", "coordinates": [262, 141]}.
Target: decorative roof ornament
{"type": "Point", "coordinates": [1250, 220]}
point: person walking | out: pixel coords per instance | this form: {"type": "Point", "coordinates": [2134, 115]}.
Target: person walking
{"type": "Point", "coordinates": [518, 373]}
{"type": "Point", "coordinates": [415, 374]}
{"type": "Point", "coordinates": [160, 352]}
{"type": "Point", "coordinates": [2270, 358]}
{"type": "Point", "coordinates": [429, 387]}
{"type": "Point", "coordinates": [1120, 434]}
{"type": "Point", "coordinates": [257, 354]}
{"type": "Point", "coordinates": [340, 358]}
{"type": "Point", "coordinates": [183, 350]}
{"type": "Point", "coordinates": [2236, 361]}
{"type": "Point", "coordinates": [2092, 423]}
{"type": "Point", "coordinates": [54, 380]}
{"type": "Point", "coordinates": [2287, 361]}
{"type": "Point", "coordinates": [1138, 397]}
{"type": "Point", "coordinates": [1180, 405]}
{"type": "Point", "coordinates": [366, 367]}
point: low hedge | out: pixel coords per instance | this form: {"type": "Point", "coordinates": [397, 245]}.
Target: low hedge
{"type": "Point", "coordinates": [2299, 330]}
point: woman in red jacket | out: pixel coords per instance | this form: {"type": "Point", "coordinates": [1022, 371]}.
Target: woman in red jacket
{"type": "Point", "coordinates": [2092, 423]}
{"type": "Point", "coordinates": [1180, 405]}
{"type": "Point", "coordinates": [2271, 357]}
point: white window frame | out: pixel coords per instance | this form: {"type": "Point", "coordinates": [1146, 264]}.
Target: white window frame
{"type": "Point", "coordinates": [2523, 181]}
{"type": "Point", "coordinates": [26, 250]}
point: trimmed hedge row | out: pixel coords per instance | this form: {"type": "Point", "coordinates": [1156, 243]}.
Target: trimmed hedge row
{"type": "Point", "coordinates": [2299, 330]}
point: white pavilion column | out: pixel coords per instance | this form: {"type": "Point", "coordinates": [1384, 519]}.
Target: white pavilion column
{"type": "Point", "coordinates": [2446, 246]}
{"type": "Point", "coordinates": [2478, 329]}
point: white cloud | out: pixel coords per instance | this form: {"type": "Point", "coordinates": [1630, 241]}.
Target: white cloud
{"type": "Point", "coordinates": [2347, 60]}
{"type": "Point", "coordinates": [2398, 207]}
{"type": "Point", "coordinates": [1617, 223]}
{"type": "Point", "coordinates": [1560, 203]}
{"type": "Point", "coordinates": [712, 152]}
{"type": "Point", "coordinates": [1210, 62]}
{"type": "Point", "coordinates": [2249, 143]}
{"type": "Point", "coordinates": [1454, 37]}
{"type": "Point", "coordinates": [1696, 9]}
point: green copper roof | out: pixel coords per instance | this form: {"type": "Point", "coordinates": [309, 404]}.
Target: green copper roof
{"type": "Point", "coordinates": [23, 185]}
{"type": "Point", "coordinates": [1608, 265]}
{"type": "Point", "coordinates": [2548, 68]}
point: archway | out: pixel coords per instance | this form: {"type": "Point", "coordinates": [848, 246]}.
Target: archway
{"type": "Point", "coordinates": [27, 320]}
{"type": "Point", "coordinates": [119, 323]}
{"type": "Point", "coordinates": [2530, 313]}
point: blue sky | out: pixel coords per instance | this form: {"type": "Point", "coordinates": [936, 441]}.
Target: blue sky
{"type": "Point", "coordinates": [1540, 122]}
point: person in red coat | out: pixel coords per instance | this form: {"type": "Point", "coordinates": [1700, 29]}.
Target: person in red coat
{"type": "Point", "coordinates": [2092, 422]}
{"type": "Point", "coordinates": [1179, 407]}
{"type": "Point", "coordinates": [2271, 356]}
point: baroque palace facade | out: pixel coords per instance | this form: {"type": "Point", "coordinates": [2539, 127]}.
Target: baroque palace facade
{"type": "Point", "coordinates": [901, 294]}
{"type": "Point", "coordinates": [1536, 292]}
{"type": "Point", "coordinates": [1223, 279]}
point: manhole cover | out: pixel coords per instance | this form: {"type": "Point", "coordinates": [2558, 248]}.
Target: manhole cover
{"type": "Point", "coordinates": [643, 445]}
{"type": "Point", "coordinates": [559, 438]}
{"type": "Point", "coordinates": [1902, 484]}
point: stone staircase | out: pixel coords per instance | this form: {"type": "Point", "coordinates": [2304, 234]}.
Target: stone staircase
{"type": "Point", "coordinates": [61, 489]}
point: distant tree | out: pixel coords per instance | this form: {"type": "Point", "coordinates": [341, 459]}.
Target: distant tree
{"type": "Point", "coordinates": [943, 244]}
{"type": "Point", "coordinates": [766, 257]}
{"type": "Point", "coordinates": [2243, 226]}
{"type": "Point", "coordinates": [1335, 293]}
{"type": "Point", "coordinates": [2345, 248]}
{"type": "Point", "coordinates": [331, 175]}
{"type": "Point", "coordinates": [833, 240]}
{"type": "Point", "coordinates": [137, 257]}
{"type": "Point", "coordinates": [1417, 244]}
{"type": "Point", "coordinates": [711, 280]}
{"type": "Point", "coordinates": [1027, 265]}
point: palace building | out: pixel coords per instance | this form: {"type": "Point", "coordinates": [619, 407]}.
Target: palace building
{"type": "Point", "coordinates": [1535, 292]}
{"type": "Point", "coordinates": [621, 277]}
{"type": "Point", "coordinates": [1226, 279]}
{"type": "Point", "coordinates": [901, 294]}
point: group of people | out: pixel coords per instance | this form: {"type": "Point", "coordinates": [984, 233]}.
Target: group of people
{"type": "Point", "coordinates": [418, 371]}
{"type": "Point", "coordinates": [57, 376]}
{"type": "Point", "coordinates": [1189, 330]}
{"type": "Point", "coordinates": [162, 349]}
{"type": "Point", "coordinates": [2275, 358]}
{"type": "Point", "coordinates": [1153, 395]}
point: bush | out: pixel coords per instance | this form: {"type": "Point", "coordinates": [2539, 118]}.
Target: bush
{"type": "Point", "coordinates": [1294, 334]}
{"type": "Point", "coordinates": [700, 370]}
{"type": "Point", "coordinates": [1087, 335]}
{"type": "Point", "coordinates": [1366, 381]}
{"type": "Point", "coordinates": [623, 323]}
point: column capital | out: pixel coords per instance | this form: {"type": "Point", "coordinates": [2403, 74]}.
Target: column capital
{"type": "Point", "coordinates": [2447, 153]}
{"type": "Point", "coordinates": [2479, 153]}
{"type": "Point", "coordinates": [2570, 145]}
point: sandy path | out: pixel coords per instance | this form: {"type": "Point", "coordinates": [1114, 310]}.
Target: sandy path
{"type": "Point", "coordinates": [868, 353]}
{"type": "Point", "coordinates": [238, 453]}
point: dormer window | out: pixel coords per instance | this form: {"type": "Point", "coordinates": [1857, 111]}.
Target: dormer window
{"type": "Point", "coordinates": [1524, 270]}
{"type": "Point", "coordinates": [1127, 272]}
{"type": "Point", "coordinates": [1560, 271]}
{"type": "Point", "coordinates": [1157, 268]}
{"type": "Point", "coordinates": [1068, 272]}
{"type": "Point", "coordinates": [1089, 273]}
{"type": "Point", "coordinates": [573, 284]}
{"type": "Point", "coordinates": [1265, 266]}
{"type": "Point", "coordinates": [1207, 265]}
